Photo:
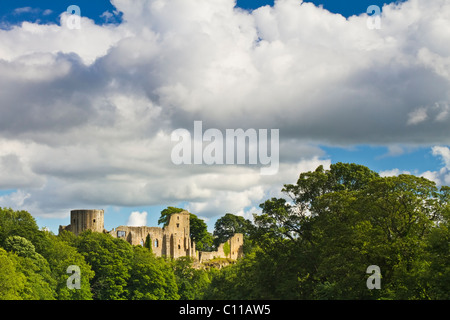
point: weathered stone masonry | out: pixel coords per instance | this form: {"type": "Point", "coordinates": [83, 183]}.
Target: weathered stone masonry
{"type": "Point", "coordinates": [171, 241]}
{"type": "Point", "coordinates": [81, 220]}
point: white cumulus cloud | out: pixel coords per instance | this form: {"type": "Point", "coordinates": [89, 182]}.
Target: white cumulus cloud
{"type": "Point", "coordinates": [86, 115]}
{"type": "Point", "coordinates": [137, 219]}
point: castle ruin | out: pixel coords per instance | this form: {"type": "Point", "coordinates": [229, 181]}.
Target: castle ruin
{"type": "Point", "coordinates": [81, 220]}
{"type": "Point", "coordinates": [172, 241]}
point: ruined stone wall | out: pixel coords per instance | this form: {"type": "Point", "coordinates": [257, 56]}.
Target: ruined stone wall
{"type": "Point", "coordinates": [138, 235]}
{"type": "Point", "coordinates": [236, 246]}
{"type": "Point", "coordinates": [173, 240]}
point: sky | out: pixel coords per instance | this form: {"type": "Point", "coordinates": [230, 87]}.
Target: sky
{"type": "Point", "coordinates": [87, 114]}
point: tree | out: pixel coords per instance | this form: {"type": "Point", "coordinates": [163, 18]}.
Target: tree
{"type": "Point", "coordinates": [192, 282]}
{"type": "Point", "coordinates": [199, 233]}
{"type": "Point", "coordinates": [20, 246]}
{"type": "Point", "coordinates": [150, 278]}
{"type": "Point", "coordinates": [39, 283]}
{"type": "Point", "coordinates": [404, 210]}
{"type": "Point", "coordinates": [12, 281]}
{"type": "Point", "coordinates": [226, 226]}
{"type": "Point", "coordinates": [166, 213]}
{"type": "Point", "coordinates": [437, 276]}
{"type": "Point", "coordinates": [60, 255]}
{"type": "Point", "coordinates": [110, 260]}
{"type": "Point", "coordinates": [344, 219]}
{"type": "Point", "coordinates": [340, 177]}
{"type": "Point", "coordinates": [19, 223]}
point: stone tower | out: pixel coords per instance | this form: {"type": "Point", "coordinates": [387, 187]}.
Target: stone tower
{"type": "Point", "coordinates": [178, 235]}
{"type": "Point", "coordinates": [81, 220]}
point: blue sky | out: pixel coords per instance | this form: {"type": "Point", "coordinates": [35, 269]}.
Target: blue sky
{"type": "Point", "coordinates": [95, 9]}
{"type": "Point", "coordinates": [83, 122]}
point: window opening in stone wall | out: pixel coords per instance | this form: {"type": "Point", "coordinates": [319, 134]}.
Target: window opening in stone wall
{"type": "Point", "coordinates": [178, 225]}
{"type": "Point", "coordinates": [121, 234]}
{"type": "Point", "coordinates": [156, 243]}
{"type": "Point", "coordinates": [94, 220]}
{"type": "Point", "coordinates": [179, 247]}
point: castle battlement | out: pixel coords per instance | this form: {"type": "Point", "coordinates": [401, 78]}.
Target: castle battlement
{"type": "Point", "coordinates": [171, 241]}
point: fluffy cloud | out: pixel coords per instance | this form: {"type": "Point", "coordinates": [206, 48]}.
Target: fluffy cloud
{"type": "Point", "coordinates": [137, 219]}
{"type": "Point", "coordinates": [442, 176]}
{"type": "Point", "coordinates": [393, 172]}
{"type": "Point", "coordinates": [86, 115]}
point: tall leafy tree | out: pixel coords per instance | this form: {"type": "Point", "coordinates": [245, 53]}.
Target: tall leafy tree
{"type": "Point", "coordinates": [60, 255]}
{"type": "Point", "coordinates": [20, 223]}
{"type": "Point", "coordinates": [226, 226]}
{"type": "Point", "coordinates": [437, 276]}
{"type": "Point", "coordinates": [192, 282]}
{"type": "Point", "coordinates": [199, 233]}
{"type": "Point", "coordinates": [39, 283]}
{"type": "Point", "coordinates": [150, 278]}
{"type": "Point", "coordinates": [110, 258]}
{"type": "Point", "coordinates": [12, 281]}
{"type": "Point", "coordinates": [340, 221]}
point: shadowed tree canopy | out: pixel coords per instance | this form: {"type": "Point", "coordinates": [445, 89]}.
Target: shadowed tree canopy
{"type": "Point", "coordinates": [226, 226]}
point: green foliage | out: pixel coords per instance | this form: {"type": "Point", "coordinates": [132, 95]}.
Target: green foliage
{"type": "Point", "coordinates": [166, 213]}
{"type": "Point", "coordinates": [437, 253]}
{"type": "Point", "coordinates": [150, 278]}
{"type": "Point", "coordinates": [226, 248]}
{"type": "Point", "coordinates": [339, 222]}
{"type": "Point", "coordinates": [110, 259]}
{"type": "Point", "coordinates": [60, 254]}
{"type": "Point", "coordinates": [148, 243]}
{"type": "Point", "coordinates": [192, 282]}
{"type": "Point", "coordinates": [257, 276]}
{"type": "Point", "coordinates": [226, 226]}
{"type": "Point", "coordinates": [12, 281]}
{"type": "Point", "coordinates": [19, 223]}
{"type": "Point", "coordinates": [39, 285]}
{"type": "Point", "coordinates": [199, 234]}
{"type": "Point", "coordinates": [20, 246]}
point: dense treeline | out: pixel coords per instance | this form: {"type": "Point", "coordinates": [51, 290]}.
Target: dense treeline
{"type": "Point", "coordinates": [316, 243]}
